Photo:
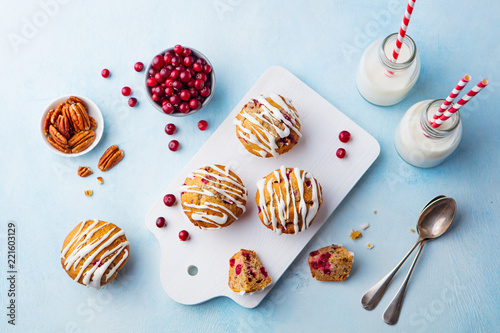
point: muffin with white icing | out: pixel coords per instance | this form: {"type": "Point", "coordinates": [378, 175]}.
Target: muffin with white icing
{"type": "Point", "coordinates": [213, 197]}
{"type": "Point", "coordinates": [268, 125]}
{"type": "Point", "coordinates": [288, 200]}
{"type": "Point", "coordinates": [94, 252]}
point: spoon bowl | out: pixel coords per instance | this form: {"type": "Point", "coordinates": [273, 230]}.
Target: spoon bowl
{"type": "Point", "coordinates": [436, 218]}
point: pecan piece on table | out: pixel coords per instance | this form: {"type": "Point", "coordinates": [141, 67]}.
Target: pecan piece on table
{"type": "Point", "coordinates": [110, 158]}
{"type": "Point", "coordinates": [84, 171]}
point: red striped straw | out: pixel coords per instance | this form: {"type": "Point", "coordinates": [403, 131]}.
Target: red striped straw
{"type": "Point", "coordinates": [455, 92]}
{"type": "Point", "coordinates": [402, 34]}
{"type": "Point", "coordinates": [448, 113]}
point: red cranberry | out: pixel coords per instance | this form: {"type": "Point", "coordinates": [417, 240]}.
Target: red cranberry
{"type": "Point", "coordinates": [186, 52]}
{"type": "Point", "coordinates": [139, 66]}
{"type": "Point", "coordinates": [184, 107]}
{"type": "Point", "coordinates": [169, 91]}
{"type": "Point", "coordinates": [152, 71]}
{"type": "Point", "coordinates": [197, 67]}
{"type": "Point", "coordinates": [183, 235]}
{"type": "Point", "coordinates": [175, 99]}
{"type": "Point", "coordinates": [199, 84]}
{"type": "Point", "coordinates": [344, 136]}
{"type": "Point", "coordinates": [314, 253]}
{"type": "Point", "coordinates": [193, 92]}
{"type": "Point", "coordinates": [190, 84]}
{"type": "Point", "coordinates": [208, 84]}
{"type": "Point", "coordinates": [263, 272]}
{"type": "Point", "coordinates": [105, 73]}
{"type": "Point", "coordinates": [201, 76]}
{"type": "Point", "coordinates": [177, 85]}
{"type": "Point", "coordinates": [237, 270]}
{"type": "Point", "coordinates": [185, 76]}
{"type": "Point", "coordinates": [201, 61]}
{"type": "Point", "coordinates": [174, 75]}
{"type": "Point", "coordinates": [188, 61]}
{"type": "Point", "coordinates": [176, 61]}
{"type": "Point", "coordinates": [205, 92]}
{"type": "Point", "coordinates": [169, 67]}
{"type": "Point", "coordinates": [165, 73]}
{"type": "Point", "coordinates": [151, 82]}
{"type": "Point", "coordinates": [132, 102]}
{"type": "Point", "coordinates": [126, 91]}
{"type": "Point", "coordinates": [168, 58]}
{"type": "Point", "coordinates": [169, 82]}
{"type": "Point", "coordinates": [194, 104]}
{"type": "Point", "coordinates": [170, 129]}
{"type": "Point", "coordinates": [185, 95]}
{"type": "Point", "coordinates": [178, 49]}
{"type": "Point", "coordinates": [207, 69]}
{"type": "Point", "coordinates": [231, 262]}
{"type": "Point", "coordinates": [158, 62]}
{"type": "Point", "coordinates": [155, 97]}
{"type": "Point", "coordinates": [341, 153]}
{"type": "Point", "coordinates": [180, 68]}
{"type": "Point", "coordinates": [155, 90]}
{"type": "Point", "coordinates": [169, 200]}
{"type": "Point", "coordinates": [202, 125]}
{"type": "Point", "coordinates": [159, 78]}
{"type": "Point", "coordinates": [168, 108]}
{"type": "Point", "coordinates": [173, 145]}
{"type": "Point", "coordinates": [160, 222]}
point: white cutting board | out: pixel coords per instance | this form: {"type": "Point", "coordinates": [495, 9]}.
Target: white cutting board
{"type": "Point", "coordinates": [210, 250]}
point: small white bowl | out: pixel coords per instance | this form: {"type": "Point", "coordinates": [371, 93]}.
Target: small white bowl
{"type": "Point", "coordinates": [93, 111]}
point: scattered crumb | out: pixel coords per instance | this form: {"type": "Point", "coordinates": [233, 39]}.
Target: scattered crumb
{"type": "Point", "coordinates": [99, 180]}
{"type": "Point", "coordinates": [412, 230]}
{"type": "Point", "coordinates": [365, 226]}
{"type": "Point", "coordinates": [355, 234]}
{"type": "Point", "coordinates": [369, 246]}
{"type": "Point", "coordinates": [89, 193]}
{"type": "Point", "coordinates": [374, 212]}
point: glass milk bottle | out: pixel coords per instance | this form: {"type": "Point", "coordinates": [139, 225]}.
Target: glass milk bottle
{"type": "Point", "coordinates": [371, 80]}
{"type": "Point", "coordinates": [422, 145]}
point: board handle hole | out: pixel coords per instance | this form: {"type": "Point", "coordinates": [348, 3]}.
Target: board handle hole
{"type": "Point", "coordinates": [192, 270]}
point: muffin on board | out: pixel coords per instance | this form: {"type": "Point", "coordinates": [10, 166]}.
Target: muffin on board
{"type": "Point", "coordinates": [246, 272]}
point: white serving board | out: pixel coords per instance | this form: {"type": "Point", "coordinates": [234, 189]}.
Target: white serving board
{"type": "Point", "coordinates": [210, 250]}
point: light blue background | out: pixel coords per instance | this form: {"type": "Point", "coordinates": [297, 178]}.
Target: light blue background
{"type": "Point", "coordinates": [455, 287]}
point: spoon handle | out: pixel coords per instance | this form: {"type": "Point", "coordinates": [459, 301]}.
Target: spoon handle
{"type": "Point", "coordinates": [373, 296]}
{"type": "Point", "coordinates": [391, 314]}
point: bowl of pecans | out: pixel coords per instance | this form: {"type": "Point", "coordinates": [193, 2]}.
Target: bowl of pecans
{"type": "Point", "coordinates": [72, 125]}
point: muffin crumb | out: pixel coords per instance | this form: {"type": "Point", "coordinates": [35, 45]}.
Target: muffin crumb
{"type": "Point", "coordinates": [356, 234]}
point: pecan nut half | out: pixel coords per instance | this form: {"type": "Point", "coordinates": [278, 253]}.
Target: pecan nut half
{"type": "Point", "coordinates": [93, 123]}
{"type": "Point", "coordinates": [62, 125]}
{"type": "Point", "coordinates": [57, 136]}
{"type": "Point", "coordinates": [85, 116]}
{"type": "Point", "coordinates": [84, 171]}
{"type": "Point", "coordinates": [75, 100]}
{"type": "Point", "coordinates": [63, 149]}
{"type": "Point", "coordinates": [81, 141]}
{"type": "Point", "coordinates": [110, 158]}
{"type": "Point", "coordinates": [46, 122]}
{"type": "Point", "coordinates": [76, 118]}
{"type": "Point", "coordinates": [56, 113]}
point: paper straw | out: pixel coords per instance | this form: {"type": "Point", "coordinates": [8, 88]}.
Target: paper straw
{"type": "Point", "coordinates": [448, 113]}
{"type": "Point", "coordinates": [402, 34]}
{"type": "Point", "coordinates": [455, 92]}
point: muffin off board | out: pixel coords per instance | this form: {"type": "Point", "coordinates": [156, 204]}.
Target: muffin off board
{"type": "Point", "coordinates": [210, 250]}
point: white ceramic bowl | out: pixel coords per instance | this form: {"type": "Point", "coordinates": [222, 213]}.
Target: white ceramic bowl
{"type": "Point", "coordinates": [93, 111]}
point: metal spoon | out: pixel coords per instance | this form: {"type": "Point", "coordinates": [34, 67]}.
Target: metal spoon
{"type": "Point", "coordinates": [371, 299]}
{"type": "Point", "coordinates": [433, 223]}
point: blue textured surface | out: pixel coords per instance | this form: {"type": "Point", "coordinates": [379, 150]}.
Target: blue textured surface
{"type": "Point", "coordinates": [455, 287]}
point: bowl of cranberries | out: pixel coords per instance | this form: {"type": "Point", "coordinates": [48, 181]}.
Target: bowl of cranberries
{"type": "Point", "coordinates": [180, 81]}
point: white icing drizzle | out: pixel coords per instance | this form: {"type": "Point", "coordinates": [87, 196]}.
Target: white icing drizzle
{"type": "Point", "coordinates": [84, 246]}
{"type": "Point", "coordinates": [286, 203]}
{"type": "Point", "coordinates": [234, 192]}
{"type": "Point", "coordinates": [261, 136]}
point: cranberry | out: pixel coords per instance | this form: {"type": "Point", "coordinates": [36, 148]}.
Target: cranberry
{"type": "Point", "coordinates": [341, 153]}
{"type": "Point", "coordinates": [263, 272]}
{"type": "Point", "coordinates": [173, 145]}
{"type": "Point", "coordinates": [185, 95]}
{"type": "Point", "coordinates": [155, 90]}
{"type": "Point", "coordinates": [183, 235]}
{"type": "Point", "coordinates": [168, 58]}
{"type": "Point", "coordinates": [201, 76]}
{"type": "Point", "coordinates": [207, 69]}
{"type": "Point", "coordinates": [126, 91]}
{"type": "Point", "coordinates": [155, 97]}
{"type": "Point", "coordinates": [132, 102]}
{"type": "Point", "coordinates": [160, 222]}
{"type": "Point", "coordinates": [199, 84]}
{"type": "Point", "coordinates": [208, 83]}
{"type": "Point", "coordinates": [151, 82]}
{"type": "Point", "coordinates": [174, 75]}
{"type": "Point", "coordinates": [176, 61]}
{"type": "Point", "coordinates": [105, 73]}
{"type": "Point", "coordinates": [168, 108]}
{"type": "Point", "coordinates": [170, 129]}
{"type": "Point", "coordinates": [177, 85]}
{"type": "Point", "coordinates": [190, 84]}
{"type": "Point", "coordinates": [202, 125]}
{"type": "Point", "coordinates": [169, 91]}
{"type": "Point", "coordinates": [180, 68]}
{"type": "Point", "coordinates": [185, 76]}
{"type": "Point", "coordinates": [231, 262]}
{"type": "Point", "coordinates": [169, 200]}
{"type": "Point", "coordinates": [165, 73]}
{"type": "Point", "coordinates": [188, 61]}
{"type": "Point", "coordinates": [139, 66]}
{"type": "Point", "coordinates": [186, 52]}
{"type": "Point", "coordinates": [169, 82]}
{"type": "Point", "coordinates": [175, 99]}
{"type": "Point", "coordinates": [205, 92]}
{"type": "Point", "coordinates": [184, 107]}
{"type": "Point", "coordinates": [197, 67]}
{"type": "Point", "coordinates": [201, 61]}
{"type": "Point", "coordinates": [178, 49]}
{"type": "Point", "coordinates": [170, 67]}
{"type": "Point", "coordinates": [193, 92]}
{"type": "Point", "coordinates": [159, 78]}
{"type": "Point", "coordinates": [152, 71]}
{"type": "Point", "coordinates": [158, 62]}
{"type": "Point", "coordinates": [194, 104]}
{"type": "Point", "coordinates": [314, 253]}
{"type": "Point", "coordinates": [344, 136]}
{"type": "Point", "coordinates": [237, 270]}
